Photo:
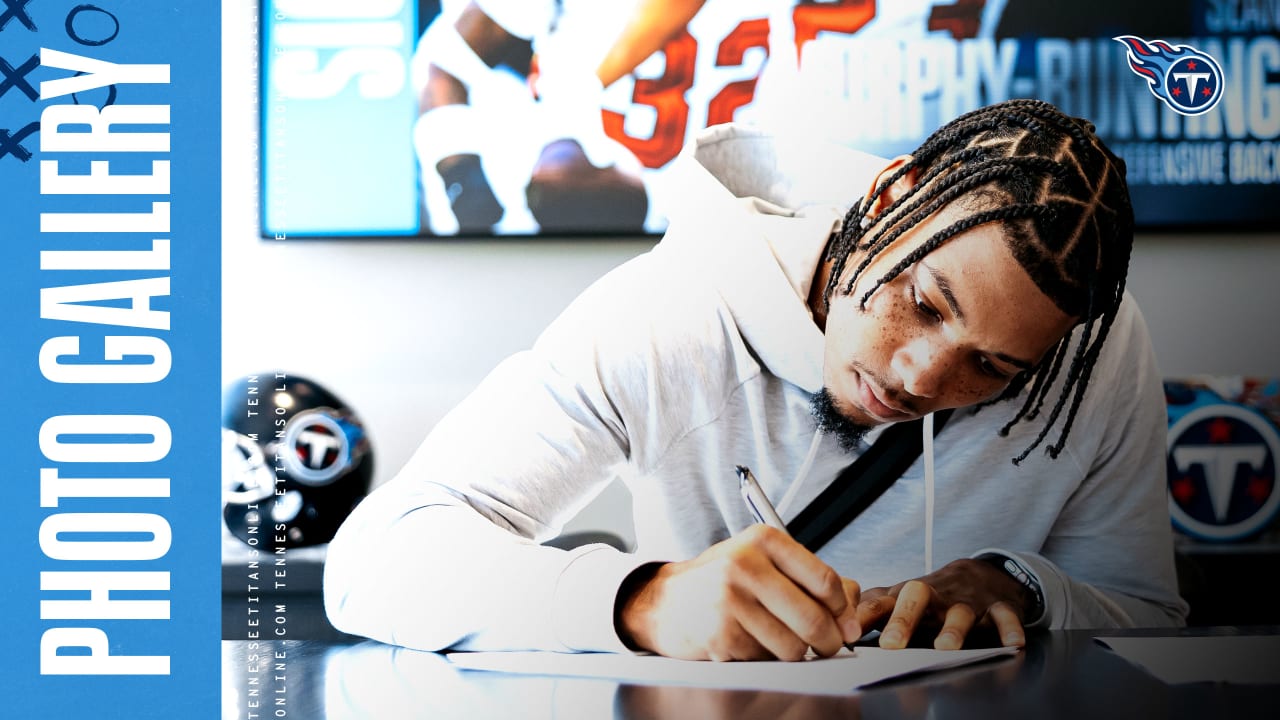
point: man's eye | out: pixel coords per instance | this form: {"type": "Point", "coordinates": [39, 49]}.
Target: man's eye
{"type": "Point", "coordinates": [923, 307]}
{"type": "Point", "coordinates": [989, 368]}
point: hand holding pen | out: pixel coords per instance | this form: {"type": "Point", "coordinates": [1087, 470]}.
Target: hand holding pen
{"type": "Point", "coordinates": [764, 513]}
{"type": "Point", "coordinates": [948, 593]}
{"type": "Point", "coordinates": [758, 595]}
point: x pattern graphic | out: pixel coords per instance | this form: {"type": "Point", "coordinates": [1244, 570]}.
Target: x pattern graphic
{"type": "Point", "coordinates": [16, 10]}
{"type": "Point", "coordinates": [12, 144]}
{"type": "Point", "coordinates": [16, 77]}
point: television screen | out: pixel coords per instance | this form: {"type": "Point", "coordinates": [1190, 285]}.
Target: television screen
{"type": "Point", "coordinates": [560, 117]}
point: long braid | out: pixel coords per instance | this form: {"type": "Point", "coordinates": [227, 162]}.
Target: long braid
{"type": "Point", "coordinates": [1044, 377]}
{"type": "Point", "coordinates": [1087, 368]}
{"type": "Point", "coordinates": [1061, 197]}
{"type": "Point", "coordinates": [1072, 382]}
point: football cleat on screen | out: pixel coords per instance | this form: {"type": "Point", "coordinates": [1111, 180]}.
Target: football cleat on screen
{"type": "Point", "coordinates": [295, 461]}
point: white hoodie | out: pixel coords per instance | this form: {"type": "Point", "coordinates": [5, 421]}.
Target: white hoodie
{"type": "Point", "coordinates": [701, 355]}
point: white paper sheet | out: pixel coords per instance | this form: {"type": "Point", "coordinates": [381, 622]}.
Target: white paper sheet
{"type": "Point", "coordinates": [1245, 659]}
{"type": "Point", "coordinates": [838, 674]}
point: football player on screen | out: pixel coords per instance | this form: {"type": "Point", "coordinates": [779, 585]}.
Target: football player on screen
{"type": "Point", "coordinates": [556, 115]}
{"type": "Point", "coordinates": [510, 138]}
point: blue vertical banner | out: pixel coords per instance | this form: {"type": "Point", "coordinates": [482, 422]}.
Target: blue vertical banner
{"type": "Point", "coordinates": [109, 255]}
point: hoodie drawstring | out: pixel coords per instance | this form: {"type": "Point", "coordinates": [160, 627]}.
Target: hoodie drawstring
{"type": "Point", "coordinates": [805, 466]}
{"type": "Point", "coordinates": [927, 429]}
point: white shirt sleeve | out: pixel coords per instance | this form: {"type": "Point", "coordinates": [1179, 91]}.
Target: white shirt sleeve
{"type": "Point", "coordinates": [448, 553]}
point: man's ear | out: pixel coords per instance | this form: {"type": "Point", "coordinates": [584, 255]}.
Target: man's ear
{"type": "Point", "coordinates": [890, 194]}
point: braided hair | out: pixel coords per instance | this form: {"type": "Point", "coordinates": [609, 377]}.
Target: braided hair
{"type": "Point", "coordinates": [1061, 198]}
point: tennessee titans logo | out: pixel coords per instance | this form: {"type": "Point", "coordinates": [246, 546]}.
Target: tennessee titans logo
{"type": "Point", "coordinates": [318, 446]}
{"type": "Point", "coordinates": [1186, 79]}
{"type": "Point", "coordinates": [1222, 469]}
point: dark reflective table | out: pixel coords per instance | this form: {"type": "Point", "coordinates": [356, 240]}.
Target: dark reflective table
{"type": "Point", "coordinates": [1060, 674]}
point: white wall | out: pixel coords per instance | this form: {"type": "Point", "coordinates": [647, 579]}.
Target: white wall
{"type": "Point", "coordinates": [1211, 301]}
{"type": "Point", "coordinates": [402, 330]}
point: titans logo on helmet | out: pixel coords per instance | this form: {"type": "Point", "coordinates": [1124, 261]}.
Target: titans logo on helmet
{"type": "Point", "coordinates": [318, 446]}
{"type": "Point", "coordinates": [1187, 80]}
{"type": "Point", "coordinates": [1222, 467]}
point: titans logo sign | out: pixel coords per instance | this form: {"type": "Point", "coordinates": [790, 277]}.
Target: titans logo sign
{"type": "Point", "coordinates": [1185, 79]}
{"type": "Point", "coordinates": [1222, 468]}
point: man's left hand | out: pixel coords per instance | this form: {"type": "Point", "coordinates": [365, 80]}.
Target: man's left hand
{"type": "Point", "coordinates": [948, 603]}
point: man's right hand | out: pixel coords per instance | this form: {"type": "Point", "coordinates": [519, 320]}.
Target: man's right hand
{"type": "Point", "coordinates": [759, 595]}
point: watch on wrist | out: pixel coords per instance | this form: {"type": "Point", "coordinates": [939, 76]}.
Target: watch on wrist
{"type": "Point", "coordinates": [1031, 588]}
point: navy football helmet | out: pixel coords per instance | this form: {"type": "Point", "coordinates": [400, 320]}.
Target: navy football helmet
{"type": "Point", "coordinates": [296, 461]}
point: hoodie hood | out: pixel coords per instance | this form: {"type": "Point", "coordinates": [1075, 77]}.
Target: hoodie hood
{"type": "Point", "coordinates": [779, 200]}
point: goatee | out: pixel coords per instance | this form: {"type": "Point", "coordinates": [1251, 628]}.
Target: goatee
{"type": "Point", "coordinates": [831, 422]}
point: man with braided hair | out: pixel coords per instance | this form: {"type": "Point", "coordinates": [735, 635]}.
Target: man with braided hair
{"type": "Point", "coordinates": [1058, 193]}
{"type": "Point", "coordinates": [777, 327]}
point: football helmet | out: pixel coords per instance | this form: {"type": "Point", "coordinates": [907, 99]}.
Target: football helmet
{"type": "Point", "coordinates": [295, 461]}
